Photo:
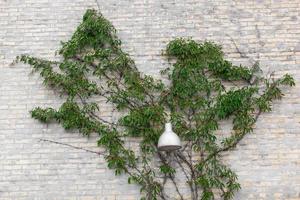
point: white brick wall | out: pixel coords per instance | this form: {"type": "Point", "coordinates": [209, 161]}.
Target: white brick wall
{"type": "Point", "coordinates": [267, 162]}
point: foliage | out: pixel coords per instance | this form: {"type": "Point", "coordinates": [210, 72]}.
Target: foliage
{"type": "Point", "coordinates": [198, 97]}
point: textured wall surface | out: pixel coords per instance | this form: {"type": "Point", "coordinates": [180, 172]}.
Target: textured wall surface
{"type": "Point", "coordinates": [267, 161]}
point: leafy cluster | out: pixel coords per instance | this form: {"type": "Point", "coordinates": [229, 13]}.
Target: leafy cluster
{"type": "Point", "coordinates": [94, 65]}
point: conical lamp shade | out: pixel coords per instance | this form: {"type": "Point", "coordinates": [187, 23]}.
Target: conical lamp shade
{"type": "Point", "coordinates": [169, 141]}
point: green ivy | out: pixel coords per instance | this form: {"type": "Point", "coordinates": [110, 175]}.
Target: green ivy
{"type": "Point", "coordinates": [197, 99]}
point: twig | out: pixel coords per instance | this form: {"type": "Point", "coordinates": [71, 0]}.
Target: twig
{"type": "Point", "coordinates": [95, 66]}
{"type": "Point", "coordinates": [231, 145]}
{"type": "Point", "coordinates": [94, 116]}
{"type": "Point", "coordinates": [189, 179]}
{"type": "Point", "coordinates": [258, 36]}
{"type": "Point", "coordinates": [98, 5]}
{"type": "Point", "coordinates": [240, 137]}
{"type": "Point", "coordinates": [162, 195]}
{"type": "Point", "coordinates": [193, 173]}
{"type": "Point", "coordinates": [242, 54]}
{"type": "Point", "coordinates": [164, 160]}
{"type": "Point", "coordinates": [74, 147]}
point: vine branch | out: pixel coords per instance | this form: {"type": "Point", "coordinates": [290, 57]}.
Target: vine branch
{"type": "Point", "coordinates": [72, 146]}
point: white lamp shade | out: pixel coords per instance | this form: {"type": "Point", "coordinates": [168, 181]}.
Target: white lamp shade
{"type": "Point", "coordinates": [169, 141]}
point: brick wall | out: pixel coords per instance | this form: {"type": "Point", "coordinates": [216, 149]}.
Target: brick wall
{"type": "Point", "coordinates": [267, 162]}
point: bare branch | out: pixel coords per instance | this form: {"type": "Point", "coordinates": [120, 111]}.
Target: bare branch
{"type": "Point", "coordinates": [242, 54]}
{"type": "Point", "coordinates": [189, 179]}
{"type": "Point", "coordinates": [98, 5]}
{"type": "Point", "coordinates": [172, 178]}
{"type": "Point", "coordinates": [71, 146]}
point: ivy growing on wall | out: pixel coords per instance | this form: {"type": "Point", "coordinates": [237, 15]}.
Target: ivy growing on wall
{"type": "Point", "coordinates": [204, 89]}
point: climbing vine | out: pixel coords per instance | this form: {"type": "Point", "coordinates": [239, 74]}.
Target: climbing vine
{"type": "Point", "coordinates": [204, 89]}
